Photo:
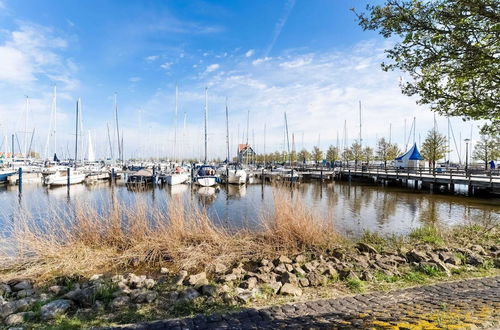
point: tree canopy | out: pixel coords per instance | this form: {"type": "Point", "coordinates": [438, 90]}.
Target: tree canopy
{"type": "Point", "coordinates": [434, 147]}
{"type": "Point", "coordinates": [449, 48]}
{"type": "Point", "coordinates": [487, 149]}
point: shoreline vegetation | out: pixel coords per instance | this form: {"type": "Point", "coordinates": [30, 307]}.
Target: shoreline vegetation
{"type": "Point", "coordinates": [130, 264]}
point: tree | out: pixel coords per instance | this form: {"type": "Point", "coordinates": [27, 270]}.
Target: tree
{"type": "Point", "coordinates": [304, 156]}
{"type": "Point", "coordinates": [332, 154]}
{"type": "Point", "coordinates": [450, 50]}
{"type": "Point", "coordinates": [434, 147]}
{"type": "Point", "coordinates": [355, 152]}
{"type": "Point", "coordinates": [487, 149]}
{"type": "Point", "coordinates": [386, 151]}
{"type": "Point", "coordinates": [368, 154]}
{"type": "Point", "coordinates": [317, 154]}
{"type": "Point", "coordinates": [293, 156]}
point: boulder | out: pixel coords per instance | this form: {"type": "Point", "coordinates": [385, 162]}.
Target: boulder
{"type": "Point", "coordinates": [290, 290]}
{"type": "Point", "coordinates": [164, 270]}
{"type": "Point", "coordinates": [249, 284]}
{"type": "Point", "coordinates": [96, 277]}
{"type": "Point", "coordinates": [289, 278]}
{"type": "Point", "coordinates": [149, 283]}
{"type": "Point", "coordinates": [188, 295]}
{"type": "Point", "coordinates": [275, 286]}
{"type": "Point", "coordinates": [304, 282]}
{"type": "Point", "coordinates": [119, 302]}
{"type": "Point", "coordinates": [18, 318]}
{"type": "Point", "coordinates": [475, 260]}
{"type": "Point", "coordinates": [220, 268]}
{"type": "Point", "coordinates": [144, 297]}
{"type": "Point", "coordinates": [264, 262]}
{"type": "Point", "coordinates": [300, 259]}
{"type": "Point", "coordinates": [280, 269]}
{"type": "Point", "coordinates": [5, 289]}
{"type": "Point", "coordinates": [244, 296]}
{"type": "Point", "coordinates": [416, 256]}
{"type": "Point", "coordinates": [57, 289]}
{"type": "Point", "coordinates": [117, 278]}
{"type": "Point", "coordinates": [22, 285]}
{"type": "Point", "coordinates": [229, 278]}
{"type": "Point", "coordinates": [309, 267]}
{"type": "Point", "coordinates": [136, 282]}
{"type": "Point", "coordinates": [14, 306]}
{"type": "Point", "coordinates": [82, 297]}
{"type": "Point", "coordinates": [55, 308]}
{"type": "Point", "coordinates": [283, 260]}
{"type": "Point", "coordinates": [316, 279]}
{"type": "Point", "coordinates": [208, 290]}
{"type": "Point", "coordinates": [180, 277]}
{"type": "Point", "coordinates": [364, 247]}
{"type": "Point", "coordinates": [198, 280]}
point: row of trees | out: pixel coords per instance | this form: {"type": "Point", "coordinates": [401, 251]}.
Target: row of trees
{"type": "Point", "coordinates": [433, 149]}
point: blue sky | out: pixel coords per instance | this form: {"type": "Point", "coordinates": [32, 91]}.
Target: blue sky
{"type": "Point", "coordinates": [306, 57]}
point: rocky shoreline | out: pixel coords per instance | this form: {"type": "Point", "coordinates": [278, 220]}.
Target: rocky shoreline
{"type": "Point", "coordinates": [127, 297]}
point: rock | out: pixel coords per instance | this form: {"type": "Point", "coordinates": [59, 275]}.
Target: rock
{"type": "Point", "coordinates": [290, 290]}
{"type": "Point", "coordinates": [304, 282]}
{"type": "Point", "coordinates": [14, 306]}
{"type": "Point", "coordinates": [229, 278]}
{"type": "Point", "coordinates": [275, 286]}
{"type": "Point", "coordinates": [478, 249]}
{"type": "Point", "coordinates": [145, 297]}
{"type": "Point", "coordinates": [22, 285]}
{"type": "Point", "coordinates": [5, 290]}
{"type": "Point", "coordinates": [238, 270]}
{"type": "Point", "coordinates": [180, 277]}
{"type": "Point", "coordinates": [366, 276]}
{"type": "Point", "coordinates": [283, 260]}
{"type": "Point", "coordinates": [309, 267]}
{"type": "Point", "coordinates": [299, 271]}
{"type": "Point", "coordinates": [82, 297]}
{"type": "Point", "coordinates": [416, 256]}
{"type": "Point", "coordinates": [244, 296]}
{"type": "Point", "coordinates": [25, 293]}
{"type": "Point", "coordinates": [316, 279]}
{"type": "Point", "coordinates": [208, 290]}
{"type": "Point", "coordinates": [117, 278]}
{"type": "Point", "coordinates": [362, 261]}
{"type": "Point", "coordinates": [300, 259]}
{"type": "Point", "coordinates": [119, 302]}
{"type": "Point", "coordinates": [18, 318]}
{"type": "Point", "coordinates": [164, 270]}
{"type": "Point", "coordinates": [348, 275]}
{"type": "Point", "coordinates": [55, 308]}
{"type": "Point", "coordinates": [57, 289]}
{"type": "Point", "coordinates": [264, 269]}
{"type": "Point", "coordinates": [95, 277]}
{"type": "Point", "coordinates": [220, 268]}
{"type": "Point", "coordinates": [280, 269]}
{"type": "Point", "coordinates": [136, 282]}
{"type": "Point", "coordinates": [197, 278]}
{"type": "Point", "coordinates": [149, 283]}
{"type": "Point", "coordinates": [330, 271]}
{"type": "Point", "coordinates": [187, 295]}
{"type": "Point", "coordinates": [249, 284]}
{"type": "Point", "coordinates": [475, 260]}
{"type": "Point", "coordinates": [289, 278]}
{"type": "Point", "coordinates": [364, 247]}
{"type": "Point", "coordinates": [264, 262]}
{"type": "Point", "coordinates": [171, 297]}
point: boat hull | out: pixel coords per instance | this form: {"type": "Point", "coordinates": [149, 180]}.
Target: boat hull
{"type": "Point", "coordinates": [177, 178]}
{"type": "Point", "coordinates": [208, 181]}
{"type": "Point", "coordinates": [62, 181]}
{"type": "Point", "coordinates": [238, 177]}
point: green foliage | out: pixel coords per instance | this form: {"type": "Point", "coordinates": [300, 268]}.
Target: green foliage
{"type": "Point", "coordinates": [354, 152]}
{"type": "Point", "coordinates": [317, 154]}
{"type": "Point", "coordinates": [105, 291]}
{"type": "Point", "coordinates": [382, 277]}
{"type": "Point", "coordinates": [448, 48]}
{"type": "Point", "coordinates": [332, 154]}
{"type": "Point", "coordinates": [430, 271]}
{"type": "Point", "coordinates": [434, 147]}
{"type": "Point", "coordinates": [415, 277]}
{"type": "Point", "coordinates": [427, 234]}
{"type": "Point", "coordinates": [355, 285]}
{"type": "Point", "coordinates": [487, 149]}
{"type": "Point", "coordinates": [387, 151]}
{"type": "Point", "coordinates": [304, 156]}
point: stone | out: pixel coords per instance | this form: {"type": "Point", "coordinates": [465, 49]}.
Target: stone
{"type": "Point", "coordinates": [82, 297]}
{"type": "Point", "coordinates": [300, 259]}
{"type": "Point", "coordinates": [208, 290]}
{"type": "Point", "coordinates": [5, 289]}
{"type": "Point", "coordinates": [220, 268]}
{"type": "Point", "coordinates": [18, 318]}
{"type": "Point", "coordinates": [14, 306]}
{"type": "Point", "coordinates": [171, 296]}
{"type": "Point", "coordinates": [249, 284]}
{"type": "Point", "coordinates": [164, 270]}
{"type": "Point", "coordinates": [57, 289]}
{"type": "Point", "coordinates": [280, 269]}
{"type": "Point", "coordinates": [366, 276]}
{"type": "Point", "coordinates": [55, 308]}
{"type": "Point", "coordinates": [364, 247]}
{"type": "Point", "coordinates": [309, 267]}
{"type": "Point", "coordinates": [304, 282]}
{"type": "Point", "coordinates": [290, 290]}
{"type": "Point", "coordinates": [362, 261]}
{"type": "Point", "coordinates": [136, 282]}
{"type": "Point", "coordinates": [188, 294]}
{"type": "Point", "coordinates": [299, 271]}
{"type": "Point", "coordinates": [316, 279]}
{"type": "Point", "coordinates": [478, 249]}
{"type": "Point", "coordinates": [145, 297]}
{"type": "Point", "coordinates": [22, 285]}
{"type": "Point", "coordinates": [264, 262]}
{"type": "Point", "coordinates": [25, 293]}
{"type": "Point", "coordinates": [275, 286]}
{"type": "Point", "coordinates": [229, 278]}
{"type": "Point", "coordinates": [197, 279]}
{"type": "Point", "coordinates": [149, 283]}
{"type": "Point", "coordinates": [119, 302]}
{"type": "Point", "coordinates": [180, 277]}
{"type": "Point", "coordinates": [95, 277]}
{"type": "Point", "coordinates": [283, 260]}
{"type": "Point", "coordinates": [117, 278]}
{"type": "Point", "coordinates": [416, 256]}
{"type": "Point", "coordinates": [289, 278]}
{"type": "Point", "coordinates": [475, 260]}
{"type": "Point", "coordinates": [244, 296]}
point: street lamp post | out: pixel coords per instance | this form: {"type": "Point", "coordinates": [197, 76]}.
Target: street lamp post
{"type": "Point", "coordinates": [466, 154]}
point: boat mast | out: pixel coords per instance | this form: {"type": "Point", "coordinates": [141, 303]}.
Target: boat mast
{"type": "Point", "coordinates": [360, 136]}
{"type": "Point", "coordinates": [206, 119]}
{"type": "Point", "coordinates": [76, 131]}
{"type": "Point", "coordinates": [55, 122]}
{"type": "Point", "coordinates": [227, 134]}
{"type": "Point", "coordinates": [265, 145]}
{"type": "Point", "coordinates": [175, 122]}
{"type": "Point", "coordinates": [109, 141]}
{"type": "Point", "coordinates": [288, 141]}
{"type": "Point", "coordinates": [118, 131]}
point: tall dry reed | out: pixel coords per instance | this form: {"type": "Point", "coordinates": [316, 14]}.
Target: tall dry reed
{"type": "Point", "coordinates": [85, 241]}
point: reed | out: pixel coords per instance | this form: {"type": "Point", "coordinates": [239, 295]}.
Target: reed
{"type": "Point", "coordinates": [84, 241]}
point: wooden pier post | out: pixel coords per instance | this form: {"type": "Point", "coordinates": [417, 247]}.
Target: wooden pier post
{"type": "Point", "coordinates": [20, 184]}
{"type": "Point", "coordinates": [67, 177]}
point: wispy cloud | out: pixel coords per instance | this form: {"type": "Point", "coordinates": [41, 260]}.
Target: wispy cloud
{"type": "Point", "coordinates": [250, 53]}
{"type": "Point", "coordinates": [212, 67]}
{"type": "Point", "coordinates": [279, 25]}
{"type": "Point", "coordinates": [152, 58]}
{"type": "Point", "coordinates": [166, 65]}
{"type": "Point", "coordinates": [134, 79]}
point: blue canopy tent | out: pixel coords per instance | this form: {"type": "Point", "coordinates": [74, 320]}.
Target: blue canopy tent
{"type": "Point", "coordinates": [409, 159]}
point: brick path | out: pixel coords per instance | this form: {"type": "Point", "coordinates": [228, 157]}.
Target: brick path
{"type": "Point", "coordinates": [457, 305]}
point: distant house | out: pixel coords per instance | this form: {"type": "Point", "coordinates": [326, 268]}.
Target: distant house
{"type": "Point", "coordinates": [245, 154]}
{"type": "Point", "coordinates": [409, 159]}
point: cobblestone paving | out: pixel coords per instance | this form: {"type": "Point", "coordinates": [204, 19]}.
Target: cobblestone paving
{"type": "Point", "coordinates": [454, 305]}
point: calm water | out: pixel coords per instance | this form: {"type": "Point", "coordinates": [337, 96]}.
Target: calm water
{"type": "Point", "coordinates": [353, 208]}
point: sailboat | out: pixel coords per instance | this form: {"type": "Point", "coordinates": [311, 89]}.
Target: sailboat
{"type": "Point", "coordinates": [205, 174]}
{"type": "Point", "coordinates": [235, 174]}
{"type": "Point", "coordinates": [179, 176]}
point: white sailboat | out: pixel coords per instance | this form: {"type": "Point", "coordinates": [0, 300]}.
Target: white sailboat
{"type": "Point", "coordinates": [206, 174]}
{"type": "Point", "coordinates": [235, 174]}
{"type": "Point", "coordinates": [179, 176]}
{"type": "Point", "coordinates": [60, 178]}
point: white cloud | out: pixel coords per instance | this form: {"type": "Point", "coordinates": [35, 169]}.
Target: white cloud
{"type": "Point", "coordinates": [250, 53]}
{"type": "Point", "coordinates": [296, 63]}
{"type": "Point", "coordinates": [212, 67]}
{"type": "Point", "coordinates": [280, 24]}
{"type": "Point", "coordinates": [166, 65]}
{"type": "Point", "coordinates": [261, 60]}
{"type": "Point", "coordinates": [134, 79]}
{"type": "Point", "coordinates": [152, 58]}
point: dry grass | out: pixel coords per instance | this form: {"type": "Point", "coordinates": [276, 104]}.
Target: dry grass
{"type": "Point", "coordinates": [85, 241]}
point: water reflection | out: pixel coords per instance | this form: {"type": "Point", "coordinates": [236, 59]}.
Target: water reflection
{"type": "Point", "coordinates": [353, 208]}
